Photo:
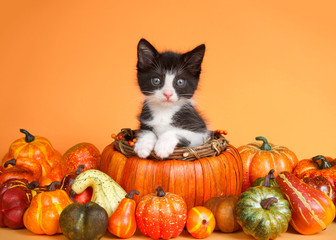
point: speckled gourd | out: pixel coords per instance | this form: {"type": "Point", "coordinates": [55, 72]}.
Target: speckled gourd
{"type": "Point", "coordinates": [106, 192]}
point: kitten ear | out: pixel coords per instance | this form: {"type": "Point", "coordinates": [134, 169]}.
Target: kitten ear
{"type": "Point", "coordinates": [146, 54]}
{"type": "Point", "coordinates": [194, 58]}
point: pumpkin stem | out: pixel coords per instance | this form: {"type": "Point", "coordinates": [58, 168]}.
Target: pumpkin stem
{"type": "Point", "coordinates": [160, 192]}
{"type": "Point", "coordinates": [266, 203]}
{"type": "Point", "coordinates": [79, 169]}
{"type": "Point", "coordinates": [29, 138]}
{"type": "Point", "coordinates": [11, 162]}
{"type": "Point", "coordinates": [324, 162]}
{"type": "Point", "coordinates": [32, 185]}
{"type": "Point", "coordinates": [266, 146]}
{"type": "Point", "coordinates": [131, 193]}
{"type": "Point", "coordinates": [204, 221]}
{"type": "Point", "coordinates": [72, 194]}
{"type": "Point", "coordinates": [268, 178]}
{"type": "Point", "coordinates": [53, 186]}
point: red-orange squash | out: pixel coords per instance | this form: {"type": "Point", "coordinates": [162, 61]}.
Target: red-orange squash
{"type": "Point", "coordinates": [39, 158]}
{"type": "Point", "coordinates": [259, 158]}
{"type": "Point", "coordinates": [195, 181]}
{"type": "Point", "coordinates": [317, 166]}
{"type": "Point", "coordinates": [312, 210]}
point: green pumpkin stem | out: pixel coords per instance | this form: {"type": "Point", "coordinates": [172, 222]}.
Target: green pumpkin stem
{"type": "Point", "coordinates": [160, 192]}
{"type": "Point", "coordinates": [32, 185]}
{"type": "Point", "coordinates": [266, 203]}
{"type": "Point", "coordinates": [79, 169]}
{"type": "Point", "coordinates": [11, 162]}
{"type": "Point", "coordinates": [29, 138]}
{"type": "Point", "coordinates": [268, 177]}
{"type": "Point", "coordinates": [53, 186]}
{"type": "Point", "coordinates": [266, 146]}
{"type": "Point", "coordinates": [324, 164]}
{"type": "Point", "coordinates": [131, 193]}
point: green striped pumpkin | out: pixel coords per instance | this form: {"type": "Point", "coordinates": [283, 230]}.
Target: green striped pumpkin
{"type": "Point", "coordinates": [262, 212]}
{"type": "Point", "coordinates": [106, 192]}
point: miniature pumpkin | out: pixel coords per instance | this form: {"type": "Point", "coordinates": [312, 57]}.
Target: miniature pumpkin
{"type": "Point", "coordinates": [83, 222]}
{"type": "Point", "coordinates": [259, 158]}
{"type": "Point", "coordinates": [105, 191]}
{"type": "Point", "coordinates": [196, 181]}
{"type": "Point", "coordinates": [35, 150]}
{"type": "Point", "coordinates": [161, 215]}
{"type": "Point", "coordinates": [270, 177]}
{"type": "Point", "coordinates": [317, 166]}
{"type": "Point", "coordinates": [312, 210]}
{"type": "Point", "coordinates": [122, 222]}
{"type": "Point", "coordinates": [42, 216]}
{"type": "Point", "coordinates": [200, 222]}
{"type": "Point", "coordinates": [223, 210]}
{"type": "Point", "coordinates": [15, 198]}
{"type": "Point", "coordinates": [262, 212]}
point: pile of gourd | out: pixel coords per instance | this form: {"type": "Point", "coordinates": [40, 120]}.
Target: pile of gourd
{"type": "Point", "coordinates": [277, 190]}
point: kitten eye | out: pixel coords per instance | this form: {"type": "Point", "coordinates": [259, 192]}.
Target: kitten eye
{"type": "Point", "coordinates": [156, 81]}
{"type": "Point", "coordinates": [181, 82]}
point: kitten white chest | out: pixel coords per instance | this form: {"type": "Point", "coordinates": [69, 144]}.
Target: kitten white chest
{"type": "Point", "coordinates": [162, 117]}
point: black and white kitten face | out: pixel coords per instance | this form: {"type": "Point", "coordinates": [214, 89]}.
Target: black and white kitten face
{"type": "Point", "coordinates": [168, 118]}
{"type": "Point", "coordinates": [166, 78]}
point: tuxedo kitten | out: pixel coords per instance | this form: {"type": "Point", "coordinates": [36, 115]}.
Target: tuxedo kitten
{"type": "Point", "coordinates": [168, 118]}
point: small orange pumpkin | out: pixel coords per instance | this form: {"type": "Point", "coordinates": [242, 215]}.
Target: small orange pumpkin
{"type": "Point", "coordinates": [200, 222]}
{"type": "Point", "coordinates": [42, 217]}
{"type": "Point", "coordinates": [258, 159]}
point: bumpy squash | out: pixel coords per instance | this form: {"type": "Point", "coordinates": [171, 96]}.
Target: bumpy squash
{"type": "Point", "coordinates": [105, 191]}
{"type": "Point", "coordinates": [39, 158]}
{"type": "Point", "coordinates": [42, 216]}
{"type": "Point", "coordinates": [83, 222]}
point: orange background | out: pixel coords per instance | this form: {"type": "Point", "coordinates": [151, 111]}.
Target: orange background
{"type": "Point", "coordinates": [67, 68]}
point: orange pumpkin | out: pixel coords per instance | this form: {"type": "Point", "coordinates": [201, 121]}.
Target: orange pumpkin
{"type": "Point", "coordinates": [195, 181]}
{"type": "Point", "coordinates": [200, 222]}
{"type": "Point", "coordinates": [42, 217]}
{"type": "Point", "coordinates": [258, 159]}
{"type": "Point", "coordinates": [38, 153]}
{"type": "Point", "coordinates": [161, 215]}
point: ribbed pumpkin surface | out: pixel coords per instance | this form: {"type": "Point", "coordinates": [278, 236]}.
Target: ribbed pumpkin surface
{"type": "Point", "coordinates": [195, 181]}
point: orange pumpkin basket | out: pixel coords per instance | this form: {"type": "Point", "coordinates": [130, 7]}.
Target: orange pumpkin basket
{"type": "Point", "coordinates": [211, 148]}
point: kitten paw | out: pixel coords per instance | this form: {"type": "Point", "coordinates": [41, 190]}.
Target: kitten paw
{"type": "Point", "coordinates": [145, 145]}
{"type": "Point", "coordinates": [164, 147]}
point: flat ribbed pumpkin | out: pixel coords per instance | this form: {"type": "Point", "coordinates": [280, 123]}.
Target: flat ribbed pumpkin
{"type": "Point", "coordinates": [196, 181]}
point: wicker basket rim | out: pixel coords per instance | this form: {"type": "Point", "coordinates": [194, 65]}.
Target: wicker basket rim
{"type": "Point", "coordinates": [214, 146]}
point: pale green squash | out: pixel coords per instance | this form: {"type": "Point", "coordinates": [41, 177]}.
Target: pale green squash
{"type": "Point", "coordinates": [106, 192]}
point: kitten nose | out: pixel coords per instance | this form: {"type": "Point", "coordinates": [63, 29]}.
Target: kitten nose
{"type": "Point", "coordinates": [168, 95]}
